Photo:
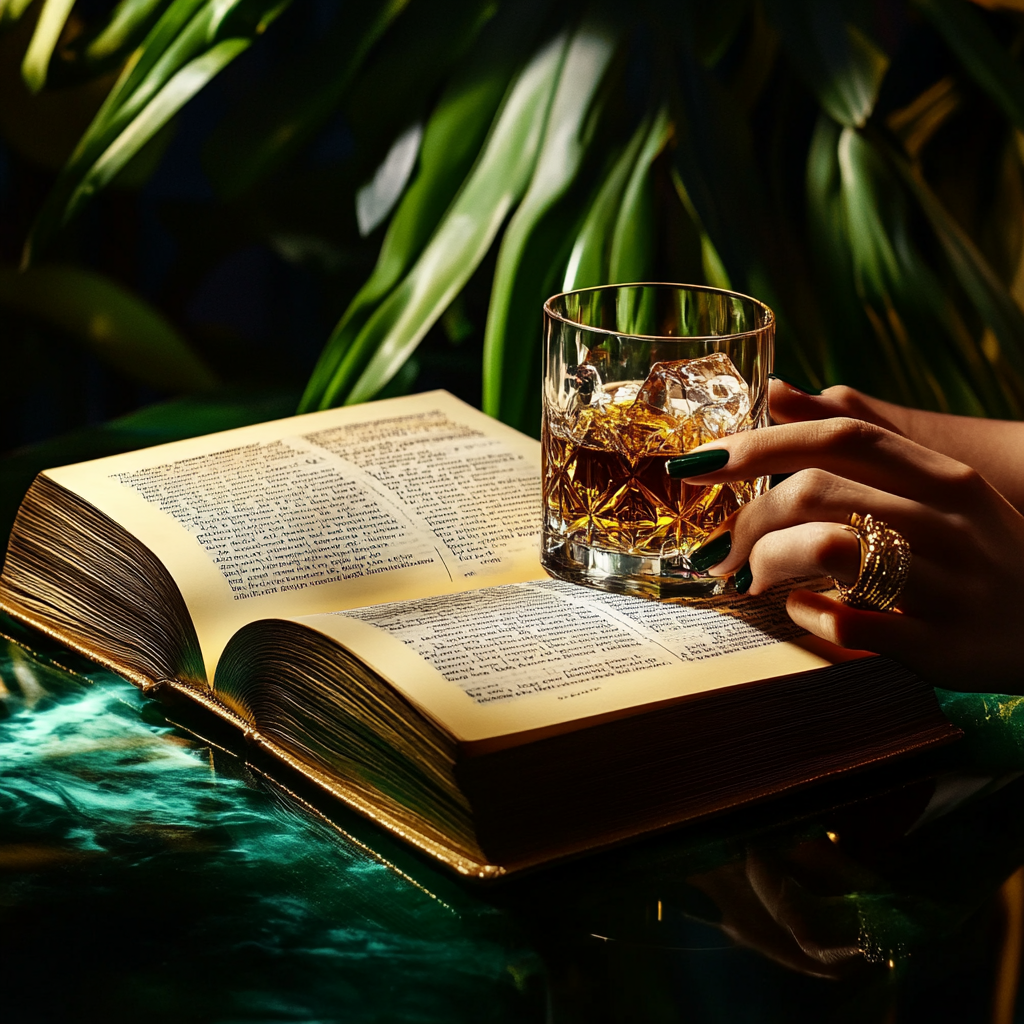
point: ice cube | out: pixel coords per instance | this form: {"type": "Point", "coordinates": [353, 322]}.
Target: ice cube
{"type": "Point", "coordinates": [624, 393]}
{"type": "Point", "coordinates": [708, 390]}
{"type": "Point", "coordinates": [582, 381]}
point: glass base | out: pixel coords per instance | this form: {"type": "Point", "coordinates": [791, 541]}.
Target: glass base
{"type": "Point", "coordinates": [619, 572]}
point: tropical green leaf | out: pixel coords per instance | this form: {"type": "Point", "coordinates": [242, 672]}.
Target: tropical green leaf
{"type": "Point", "coordinates": [876, 263]}
{"type": "Point", "coordinates": [182, 52]}
{"type": "Point", "coordinates": [51, 22]}
{"type": "Point", "coordinates": [759, 58]}
{"type": "Point", "coordinates": [588, 261]}
{"type": "Point", "coordinates": [995, 305]}
{"type": "Point", "coordinates": [712, 268]}
{"type": "Point", "coordinates": [715, 26]}
{"type": "Point", "coordinates": [179, 89]}
{"type": "Point", "coordinates": [496, 183]}
{"type": "Point", "coordinates": [991, 65]}
{"type": "Point", "coordinates": [850, 270]}
{"type": "Point", "coordinates": [853, 345]}
{"type": "Point", "coordinates": [925, 342]}
{"type": "Point", "coordinates": [377, 198]}
{"type": "Point", "coordinates": [173, 40]}
{"type": "Point", "coordinates": [258, 137]}
{"type": "Point", "coordinates": [721, 169]}
{"type": "Point", "coordinates": [128, 19]}
{"type": "Point", "coordinates": [633, 242]}
{"type": "Point", "coordinates": [508, 344]}
{"type": "Point", "coordinates": [840, 64]}
{"type": "Point", "coordinates": [120, 328]}
{"type": "Point", "coordinates": [12, 10]}
{"type": "Point", "coordinates": [917, 122]}
{"type": "Point", "coordinates": [887, 273]}
{"type": "Point", "coordinates": [714, 160]}
{"type": "Point", "coordinates": [412, 62]}
{"type": "Point", "coordinates": [451, 140]}
{"type": "Point", "coordinates": [187, 28]}
{"type": "Point", "coordinates": [378, 65]}
{"type": "Point", "coordinates": [635, 237]}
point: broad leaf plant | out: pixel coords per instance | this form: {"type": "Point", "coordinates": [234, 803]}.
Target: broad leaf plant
{"type": "Point", "coordinates": [857, 165]}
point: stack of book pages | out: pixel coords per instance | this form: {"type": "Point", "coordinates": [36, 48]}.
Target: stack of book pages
{"type": "Point", "coordinates": [359, 590]}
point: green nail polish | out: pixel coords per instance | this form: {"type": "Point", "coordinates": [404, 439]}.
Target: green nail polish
{"type": "Point", "coordinates": [712, 552]}
{"type": "Point", "coordinates": [795, 387]}
{"type": "Point", "coordinates": [743, 579]}
{"type": "Point", "coordinates": [697, 463]}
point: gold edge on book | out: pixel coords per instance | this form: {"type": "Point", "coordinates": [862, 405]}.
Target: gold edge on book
{"type": "Point", "coordinates": [453, 858]}
{"type": "Point", "coordinates": [319, 815]}
{"type": "Point", "coordinates": [136, 678]}
{"type": "Point", "coordinates": [147, 684]}
{"type": "Point", "coordinates": [448, 855]}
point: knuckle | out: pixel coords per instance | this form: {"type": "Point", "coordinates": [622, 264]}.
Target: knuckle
{"type": "Point", "coordinates": [807, 489]}
{"type": "Point", "coordinates": [851, 402]}
{"type": "Point", "coordinates": [962, 526]}
{"type": "Point", "coordinates": [828, 546]}
{"type": "Point", "coordinates": [845, 397]}
{"type": "Point", "coordinates": [848, 629]}
{"type": "Point", "coordinates": [966, 480]}
{"type": "Point", "coordinates": [850, 435]}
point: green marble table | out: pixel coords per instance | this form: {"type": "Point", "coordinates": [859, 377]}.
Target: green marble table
{"type": "Point", "coordinates": [152, 870]}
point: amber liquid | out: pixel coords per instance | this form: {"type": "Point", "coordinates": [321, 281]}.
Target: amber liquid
{"type": "Point", "coordinates": [605, 484]}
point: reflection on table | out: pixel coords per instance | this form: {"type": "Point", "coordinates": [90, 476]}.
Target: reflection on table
{"type": "Point", "coordinates": [150, 869]}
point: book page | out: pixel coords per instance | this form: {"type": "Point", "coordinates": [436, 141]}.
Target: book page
{"type": "Point", "coordinates": [393, 500]}
{"type": "Point", "coordinates": [515, 658]}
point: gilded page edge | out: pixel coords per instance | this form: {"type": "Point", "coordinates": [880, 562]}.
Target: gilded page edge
{"type": "Point", "coordinates": [448, 855]}
{"type": "Point", "coordinates": [452, 858]}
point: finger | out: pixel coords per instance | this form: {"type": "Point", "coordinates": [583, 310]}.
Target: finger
{"type": "Point", "coordinates": [898, 636]}
{"type": "Point", "coordinates": [826, 549]}
{"type": "Point", "coordinates": [844, 446]}
{"type": "Point", "coordinates": [790, 404]}
{"type": "Point", "coordinates": [813, 495]}
{"type": "Point", "coordinates": [747, 922]}
{"type": "Point", "coordinates": [825, 928]}
{"type": "Point", "coordinates": [810, 550]}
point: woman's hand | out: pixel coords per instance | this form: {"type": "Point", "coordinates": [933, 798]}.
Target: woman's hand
{"type": "Point", "coordinates": [995, 448]}
{"type": "Point", "coordinates": [793, 907]}
{"type": "Point", "coordinates": [961, 614]}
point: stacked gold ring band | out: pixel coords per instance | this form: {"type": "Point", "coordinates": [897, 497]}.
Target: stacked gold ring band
{"type": "Point", "coordinates": [884, 566]}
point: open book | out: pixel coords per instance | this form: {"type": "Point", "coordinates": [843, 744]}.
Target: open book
{"type": "Point", "coordinates": [360, 591]}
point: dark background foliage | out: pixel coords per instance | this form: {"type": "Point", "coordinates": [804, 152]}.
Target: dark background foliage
{"type": "Point", "coordinates": [856, 164]}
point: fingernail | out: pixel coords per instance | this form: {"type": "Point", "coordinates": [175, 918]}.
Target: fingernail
{"type": "Point", "coordinates": [743, 579]}
{"type": "Point", "coordinates": [712, 552]}
{"type": "Point", "coordinates": [697, 463]}
{"type": "Point", "coordinates": [795, 387]}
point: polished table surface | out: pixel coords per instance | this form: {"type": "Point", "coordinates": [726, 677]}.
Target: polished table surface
{"type": "Point", "coordinates": [152, 870]}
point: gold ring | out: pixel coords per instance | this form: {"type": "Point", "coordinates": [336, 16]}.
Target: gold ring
{"type": "Point", "coordinates": [884, 566]}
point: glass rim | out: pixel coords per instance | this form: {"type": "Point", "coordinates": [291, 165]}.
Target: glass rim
{"type": "Point", "coordinates": [689, 338]}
